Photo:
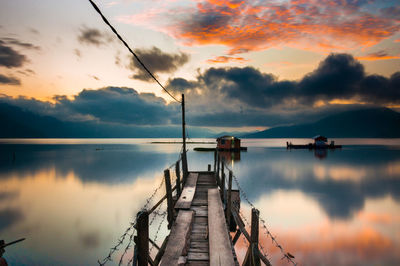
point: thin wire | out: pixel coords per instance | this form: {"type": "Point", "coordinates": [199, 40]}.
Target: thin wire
{"type": "Point", "coordinates": [130, 50]}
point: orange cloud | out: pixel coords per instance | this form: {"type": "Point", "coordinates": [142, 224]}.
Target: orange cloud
{"type": "Point", "coordinates": [226, 59]}
{"type": "Point", "coordinates": [246, 26]}
{"type": "Point", "coordinates": [375, 58]}
{"type": "Point", "coordinates": [380, 55]}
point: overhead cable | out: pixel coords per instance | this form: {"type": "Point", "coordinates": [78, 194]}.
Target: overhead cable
{"type": "Point", "coordinates": [130, 50]}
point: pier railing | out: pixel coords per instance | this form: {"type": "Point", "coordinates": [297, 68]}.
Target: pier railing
{"type": "Point", "coordinates": [231, 198]}
{"type": "Point", "coordinates": [139, 246]}
{"type": "Point", "coordinates": [135, 246]}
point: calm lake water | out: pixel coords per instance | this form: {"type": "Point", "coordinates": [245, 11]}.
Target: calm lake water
{"type": "Point", "coordinates": [73, 198]}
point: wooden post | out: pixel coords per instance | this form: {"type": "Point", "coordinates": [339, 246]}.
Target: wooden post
{"type": "Point", "coordinates": [142, 239]}
{"type": "Point", "coordinates": [229, 201]}
{"type": "Point", "coordinates": [217, 172]}
{"type": "Point", "coordinates": [223, 183]}
{"type": "Point", "coordinates": [184, 158]}
{"type": "Point", "coordinates": [215, 160]}
{"type": "Point", "coordinates": [209, 168]}
{"type": "Point", "coordinates": [254, 236]}
{"type": "Point", "coordinates": [178, 180]}
{"type": "Point", "coordinates": [252, 257]}
{"type": "Point", "coordinates": [170, 203]}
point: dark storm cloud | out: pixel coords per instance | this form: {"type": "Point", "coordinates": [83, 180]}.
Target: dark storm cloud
{"type": "Point", "coordinates": [21, 44]}
{"type": "Point", "coordinates": [179, 85]}
{"type": "Point", "coordinates": [9, 57]}
{"type": "Point", "coordinates": [9, 80]}
{"type": "Point", "coordinates": [157, 62]}
{"type": "Point", "coordinates": [339, 76]}
{"type": "Point", "coordinates": [92, 36]}
{"type": "Point", "coordinates": [106, 105]}
{"type": "Point", "coordinates": [119, 105]}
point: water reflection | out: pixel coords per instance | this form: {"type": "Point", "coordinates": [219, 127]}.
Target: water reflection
{"type": "Point", "coordinates": [73, 201]}
{"type": "Point", "coordinates": [90, 163]}
{"type": "Point", "coordinates": [340, 184]}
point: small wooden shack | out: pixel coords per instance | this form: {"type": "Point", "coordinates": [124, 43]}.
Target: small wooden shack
{"type": "Point", "coordinates": [228, 143]}
{"type": "Point", "coordinates": [320, 141]}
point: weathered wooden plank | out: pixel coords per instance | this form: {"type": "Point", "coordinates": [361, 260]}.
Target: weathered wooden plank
{"type": "Point", "coordinates": [198, 263]}
{"type": "Point", "coordinates": [199, 244]}
{"type": "Point", "coordinates": [220, 245]}
{"type": "Point", "coordinates": [178, 241]}
{"type": "Point", "coordinates": [198, 256]}
{"type": "Point", "coordinates": [185, 200]}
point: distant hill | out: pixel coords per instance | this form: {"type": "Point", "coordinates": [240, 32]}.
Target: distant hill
{"type": "Point", "coordinates": [18, 123]}
{"type": "Point", "coordinates": [364, 123]}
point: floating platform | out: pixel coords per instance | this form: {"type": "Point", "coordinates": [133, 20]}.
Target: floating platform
{"type": "Point", "coordinates": [312, 146]}
{"type": "Point", "coordinates": [213, 149]}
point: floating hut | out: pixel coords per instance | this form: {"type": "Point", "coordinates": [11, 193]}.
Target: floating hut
{"type": "Point", "coordinates": [228, 143]}
{"type": "Point", "coordinates": [320, 142]}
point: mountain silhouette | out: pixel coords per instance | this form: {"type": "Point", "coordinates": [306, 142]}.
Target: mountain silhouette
{"type": "Point", "coordinates": [362, 123]}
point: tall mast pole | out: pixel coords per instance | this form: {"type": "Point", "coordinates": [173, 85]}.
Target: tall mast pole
{"type": "Point", "coordinates": [184, 159]}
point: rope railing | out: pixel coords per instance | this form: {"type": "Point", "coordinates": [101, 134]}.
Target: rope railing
{"type": "Point", "coordinates": [156, 211]}
{"type": "Point", "coordinates": [285, 255]}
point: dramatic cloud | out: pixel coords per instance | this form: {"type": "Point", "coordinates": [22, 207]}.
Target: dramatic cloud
{"type": "Point", "coordinates": [339, 76]}
{"type": "Point", "coordinates": [92, 36]}
{"type": "Point", "coordinates": [245, 26]}
{"type": "Point", "coordinates": [231, 97]}
{"type": "Point", "coordinates": [9, 57]}
{"type": "Point", "coordinates": [107, 105]}
{"type": "Point", "coordinates": [157, 61]}
{"type": "Point", "coordinates": [9, 80]}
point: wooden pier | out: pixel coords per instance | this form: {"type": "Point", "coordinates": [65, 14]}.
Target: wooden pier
{"type": "Point", "coordinates": [201, 218]}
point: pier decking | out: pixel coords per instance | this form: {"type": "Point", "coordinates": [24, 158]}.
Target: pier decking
{"type": "Point", "coordinates": [199, 235]}
{"type": "Point", "coordinates": [201, 217]}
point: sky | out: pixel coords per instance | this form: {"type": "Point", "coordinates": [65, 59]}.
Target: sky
{"type": "Point", "coordinates": [242, 65]}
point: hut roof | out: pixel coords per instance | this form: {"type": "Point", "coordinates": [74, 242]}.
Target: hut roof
{"type": "Point", "coordinates": [319, 137]}
{"type": "Point", "coordinates": [227, 137]}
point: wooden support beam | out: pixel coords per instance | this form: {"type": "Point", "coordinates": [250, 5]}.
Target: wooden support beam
{"type": "Point", "coordinates": [160, 253]}
{"type": "Point", "coordinates": [219, 243]}
{"type": "Point", "coordinates": [241, 225]}
{"type": "Point", "coordinates": [154, 244]}
{"type": "Point", "coordinates": [170, 208]}
{"type": "Point", "coordinates": [142, 239]}
{"type": "Point", "coordinates": [160, 201]}
{"type": "Point", "coordinates": [179, 238]}
{"type": "Point", "coordinates": [236, 237]}
{"type": "Point", "coordinates": [178, 179]}
{"type": "Point", "coordinates": [264, 259]}
{"type": "Point", "coordinates": [186, 198]}
{"type": "Point", "coordinates": [151, 262]}
{"type": "Point", "coordinates": [229, 201]}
